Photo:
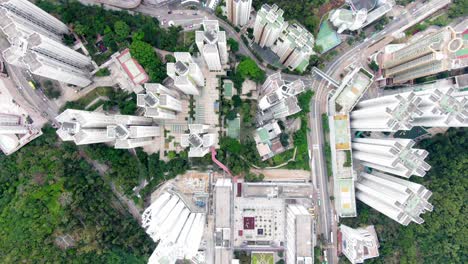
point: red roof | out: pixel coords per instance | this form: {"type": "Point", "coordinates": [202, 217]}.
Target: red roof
{"type": "Point", "coordinates": [139, 78]}
{"type": "Point", "coordinates": [249, 223]}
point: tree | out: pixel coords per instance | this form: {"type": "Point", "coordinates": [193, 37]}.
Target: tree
{"type": "Point", "coordinates": [248, 68]}
{"type": "Point", "coordinates": [236, 100]}
{"type": "Point", "coordinates": [315, 60]}
{"type": "Point", "coordinates": [233, 44]}
{"type": "Point", "coordinates": [231, 145]}
{"type": "Point", "coordinates": [138, 35]}
{"type": "Point", "coordinates": [169, 58]}
{"type": "Point", "coordinates": [374, 66]}
{"type": "Point", "coordinates": [80, 29]}
{"type": "Point", "coordinates": [146, 56]}
{"type": "Point", "coordinates": [122, 30]}
{"type": "Point", "coordinates": [50, 90]}
{"type": "Point", "coordinates": [231, 115]}
{"type": "Point", "coordinates": [284, 139]}
{"type": "Point", "coordinates": [318, 49]}
{"type": "Point", "coordinates": [102, 72]}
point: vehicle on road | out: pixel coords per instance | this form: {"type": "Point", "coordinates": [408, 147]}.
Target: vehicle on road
{"type": "Point", "coordinates": [33, 86]}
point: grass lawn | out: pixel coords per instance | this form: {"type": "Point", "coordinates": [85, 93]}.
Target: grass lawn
{"type": "Point", "coordinates": [100, 91]}
{"type": "Point", "coordinates": [262, 258]}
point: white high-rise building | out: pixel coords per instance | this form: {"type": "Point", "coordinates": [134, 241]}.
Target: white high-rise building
{"type": "Point", "coordinates": [396, 156]}
{"type": "Point", "coordinates": [125, 131]}
{"type": "Point", "coordinates": [56, 50]}
{"type": "Point", "coordinates": [294, 47]}
{"type": "Point", "coordinates": [440, 107]}
{"type": "Point", "coordinates": [278, 98]}
{"type": "Point", "coordinates": [185, 73]}
{"type": "Point", "coordinates": [159, 102]}
{"type": "Point", "coordinates": [200, 140]}
{"type": "Point", "coordinates": [359, 244]}
{"type": "Point", "coordinates": [35, 39]}
{"type": "Point", "coordinates": [179, 230]}
{"type": "Point", "coordinates": [238, 11]}
{"type": "Point", "coordinates": [399, 199]}
{"type": "Point", "coordinates": [387, 113]}
{"type": "Point", "coordinates": [15, 133]}
{"type": "Point", "coordinates": [34, 15]}
{"type": "Point", "coordinates": [299, 242]}
{"type": "Point", "coordinates": [212, 44]}
{"type": "Point", "coordinates": [14, 26]}
{"type": "Point", "coordinates": [269, 24]}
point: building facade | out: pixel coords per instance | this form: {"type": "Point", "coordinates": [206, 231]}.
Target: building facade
{"type": "Point", "coordinates": [212, 44]}
{"type": "Point", "coordinates": [429, 55]}
{"type": "Point", "coordinates": [435, 107]}
{"type": "Point", "coordinates": [186, 74]}
{"type": "Point", "coordinates": [238, 11]}
{"type": "Point", "coordinates": [359, 244]}
{"type": "Point", "coordinates": [35, 39]}
{"type": "Point", "coordinates": [123, 131]}
{"type": "Point", "coordinates": [278, 98]}
{"type": "Point", "coordinates": [159, 102]}
{"type": "Point", "coordinates": [399, 199]}
{"type": "Point", "coordinates": [394, 155]}
{"type": "Point", "coordinates": [177, 229]}
{"type": "Point", "coordinates": [294, 47]}
{"type": "Point", "coordinates": [200, 139]}
{"type": "Point", "coordinates": [268, 26]}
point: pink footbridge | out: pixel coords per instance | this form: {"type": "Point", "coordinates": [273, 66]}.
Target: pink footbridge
{"type": "Point", "coordinates": [217, 162]}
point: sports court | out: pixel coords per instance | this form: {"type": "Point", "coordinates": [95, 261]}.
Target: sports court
{"type": "Point", "coordinates": [262, 258]}
{"type": "Point", "coordinates": [327, 38]}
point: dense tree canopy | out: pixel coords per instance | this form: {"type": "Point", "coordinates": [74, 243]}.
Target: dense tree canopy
{"type": "Point", "coordinates": [144, 53]}
{"type": "Point", "coordinates": [47, 192]}
{"type": "Point", "coordinates": [248, 68]}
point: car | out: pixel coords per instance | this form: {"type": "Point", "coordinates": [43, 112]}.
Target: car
{"type": "Point", "coordinates": [191, 26]}
{"type": "Point", "coordinates": [169, 12]}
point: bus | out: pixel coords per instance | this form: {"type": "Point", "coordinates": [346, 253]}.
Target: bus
{"type": "Point", "coordinates": [33, 86]}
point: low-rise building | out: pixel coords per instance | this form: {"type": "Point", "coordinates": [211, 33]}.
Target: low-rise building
{"type": "Point", "coordinates": [299, 241]}
{"type": "Point", "coordinates": [278, 98]}
{"type": "Point", "coordinates": [347, 95]}
{"type": "Point", "coordinates": [267, 139]}
{"type": "Point", "coordinates": [359, 244]}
